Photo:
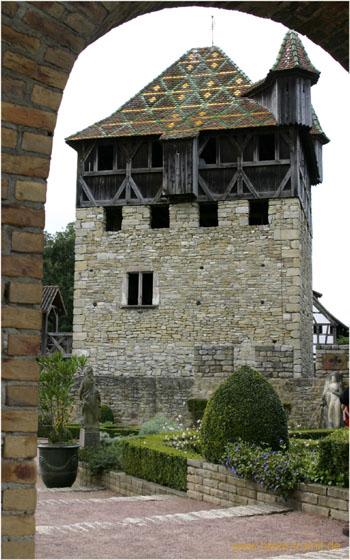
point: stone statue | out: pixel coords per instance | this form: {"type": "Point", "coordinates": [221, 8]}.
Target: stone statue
{"type": "Point", "coordinates": [331, 413]}
{"type": "Point", "coordinates": [90, 396]}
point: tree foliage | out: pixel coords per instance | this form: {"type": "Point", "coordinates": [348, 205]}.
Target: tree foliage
{"type": "Point", "coordinates": [59, 268]}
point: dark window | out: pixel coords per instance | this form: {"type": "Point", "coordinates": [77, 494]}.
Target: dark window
{"type": "Point", "coordinates": [157, 154]}
{"type": "Point", "coordinates": [105, 158]}
{"type": "Point", "coordinates": [266, 147]}
{"type": "Point", "coordinates": [140, 288]}
{"type": "Point", "coordinates": [228, 151]}
{"type": "Point", "coordinates": [160, 216]}
{"type": "Point", "coordinates": [284, 148]}
{"type": "Point", "coordinates": [121, 159]}
{"type": "Point", "coordinates": [248, 152]}
{"type": "Point", "coordinates": [89, 162]}
{"type": "Point", "coordinates": [258, 212]}
{"type": "Point", "coordinates": [140, 159]}
{"type": "Point", "coordinates": [208, 215]}
{"type": "Point", "coordinates": [114, 217]}
{"type": "Point", "coordinates": [208, 154]}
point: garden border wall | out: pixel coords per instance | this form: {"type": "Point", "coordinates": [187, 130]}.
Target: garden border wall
{"type": "Point", "coordinates": [216, 485]}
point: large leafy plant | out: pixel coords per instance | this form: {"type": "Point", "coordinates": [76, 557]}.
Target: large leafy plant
{"type": "Point", "coordinates": [56, 399]}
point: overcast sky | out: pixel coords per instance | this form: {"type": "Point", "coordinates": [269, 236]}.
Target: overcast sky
{"type": "Point", "coordinates": [117, 66]}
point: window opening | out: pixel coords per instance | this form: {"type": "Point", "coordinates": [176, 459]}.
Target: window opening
{"type": "Point", "coordinates": [114, 218]}
{"type": "Point", "coordinates": [140, 159]}
{"type": "Point", "coordinates": [140, 288]}
{"type": "Point", "coordinates": [248, 152]}
{"type": "Point", "coordinates": [284, 148]}
{"type": "Point", "coordinates": [160, 216]}
{"type": "Point", "coordinates": [208, 215]}
{"type": "Point", "coordinates": [89, 162]}
{"type": "Point", "coordinates": [208, 154]}
{"type": "Point", "coordinates": [228, 152]}
{"type": "Point", "coordinates": [258, 212]}
{"type": "Point", "coordinates": [157, 154]}
{"type": "Point", "coordinates": [266, 147]}
{"type": "Point", "coordinates": [105, 158]}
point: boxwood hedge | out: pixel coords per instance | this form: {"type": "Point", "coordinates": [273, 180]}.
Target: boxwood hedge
{"type": "Point", "coordinates": [334, 457]}
{"type": "Point", "coordinates": [149, 457]}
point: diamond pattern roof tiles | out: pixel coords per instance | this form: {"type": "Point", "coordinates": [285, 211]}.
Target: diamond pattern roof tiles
{"type": "Point", "coordinates": [200, 91]}
{"type": "Point", "coordinates": [292, 54]}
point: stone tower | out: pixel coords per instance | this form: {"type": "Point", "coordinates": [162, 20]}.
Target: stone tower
{"type": "Point", "coordinates": [193, 232]}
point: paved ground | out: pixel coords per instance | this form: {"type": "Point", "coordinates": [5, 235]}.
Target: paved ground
{"type": "Point", "coordinates": [75, 523]}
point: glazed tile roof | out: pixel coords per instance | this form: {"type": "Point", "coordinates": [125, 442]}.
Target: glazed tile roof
{"type": "Point", "coordinates": [317, 129]}
{"type": "Point", "coordinates": [201, 91]}
{"type": "Point", "coordinates": [292, 54]}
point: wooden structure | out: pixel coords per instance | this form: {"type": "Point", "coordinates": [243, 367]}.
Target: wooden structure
{"type": "Point", "coordinates": [52, 308]}
{"type": "Point", "coordinates": [326, 327]}
{"type": "Point", "coordinates": [202, 131]}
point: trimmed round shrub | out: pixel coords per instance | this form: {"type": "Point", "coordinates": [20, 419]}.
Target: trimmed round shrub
{"type": "Point", "coordinates": [106, 414]}
{"type": "Point", "coordinates": [244, 406]}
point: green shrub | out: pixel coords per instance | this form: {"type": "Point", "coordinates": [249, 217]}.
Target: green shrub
{"type": "Point", "coordinates": [244, 406]}
{"type": "Point", "coordinates": [157, 425]}
{"type": "Point", "coordinates": [333, 463]}
{"type": "Point", "coordinates": [102, 457]}
{"type": "Point", "coordinates": [151, 459]}
{"type": "Point", "coordinates": [106, 414]}
{"type": "Point", "coordinates": [310, 434]}
{"type": "Point", "coordinates": [342, 340]}
{"type": "Point", "coordinates": [196, 408]}
{"type": "Point", "coordinates": [45, 429]}
{"type": "Point", "coordinates": [114, 430]}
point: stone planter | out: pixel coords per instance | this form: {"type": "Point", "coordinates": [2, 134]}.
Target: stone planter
{"type": "Point", "coordinates": [58, 464]}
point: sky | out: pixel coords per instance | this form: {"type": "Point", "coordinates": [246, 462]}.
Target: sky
{"type": "Point", "coordinates": [116, 67]}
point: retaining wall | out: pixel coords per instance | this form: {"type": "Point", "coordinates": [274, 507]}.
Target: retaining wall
{"type": "Point", "coordinates": [216, 485]}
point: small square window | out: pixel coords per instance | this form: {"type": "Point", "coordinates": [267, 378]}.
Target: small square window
{"type": "Point", "coordinates": [140, 288]}
{"type": "Point", "coordinates": [114, 218]}
{"type": "Point", "coordinates": [208, 215]}
{"type": "Point", "coordinates": [105, 158]}
{"type": "Point", "coordinates": [160, 216]}
{"type": "Point", "coordinates": [258, 212]}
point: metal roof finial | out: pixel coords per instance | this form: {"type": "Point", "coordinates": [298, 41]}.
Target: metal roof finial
{"type": "Point", "coordinates": [212, 30]}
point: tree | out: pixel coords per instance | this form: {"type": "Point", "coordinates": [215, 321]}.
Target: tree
{"type": "Point", "coordinates": [59, 268]}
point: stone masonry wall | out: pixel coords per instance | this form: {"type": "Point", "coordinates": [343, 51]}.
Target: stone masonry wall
{"type": "Point", "coordinates": [234, 284]}
{"type": "Point", "coordinates": [215, 484]}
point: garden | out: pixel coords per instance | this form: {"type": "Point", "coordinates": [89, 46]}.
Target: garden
{"type": "Point", "coordinates": [243, 427]}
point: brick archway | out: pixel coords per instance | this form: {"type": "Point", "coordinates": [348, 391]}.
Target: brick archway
{"type": "Point", "coordinates": [41, 41]}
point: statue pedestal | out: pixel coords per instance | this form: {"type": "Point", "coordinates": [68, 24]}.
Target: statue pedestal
{"type": "Point", "coordinates": [88, 437]}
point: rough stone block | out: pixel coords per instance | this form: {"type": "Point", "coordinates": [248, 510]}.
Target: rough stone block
{"type": "Point", "coordinates": [24, 242]}
{"type": "Point", "coordinates": [37, 143]}
{"type": "Point", "coordinates": [18, 549]}
{"type": "Point", "coordinates": [24, 42]}
{"type": "Point", "coordinates": [23, 345]}
{"type": "Point", "coordinates": [46, 97]}
{"type": "Point", "coordinates": [334, 503]}
{"type": "Point", "coordinates": [21, 318]}
{"type": "Point", "coordinates": [318, 510]}
{"type": "Point", "coordinates": [20, 472]}
{"type": "Point", "coordinates": [30, 191]}
{"type": "Point", "coordinates": [17, 525]}
{"type": "Point", "coordinates": [339, 515]}
{"type": "Point", "coordinates": [24, 292]}
{"type": "Point", "coordinates": [8, 137]}
{"type": "Point", "coordinates": [20, 370]}
{"type": "Point", "coordinates": [22, 395]}
{"type": "Point", "coordinates": [60, 58]}
{"type": "Point", "coordinates": [195, 495]}
{"type": "Point", "coordinates": [32, 166]}
{"type": "Point", "coordinates": [336, 492]}
{"type": "Point", "coordinates": [19, 421]}
{"type": "Point", "coordinates": [28, 116]}
{"type": "Point", "coordinates": [23, 217]}
{"type": "Point", "coordinates": [19, 499]}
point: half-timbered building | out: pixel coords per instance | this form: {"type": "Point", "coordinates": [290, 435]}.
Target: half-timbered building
{"type": "Point", "coordinates": [193, 232]}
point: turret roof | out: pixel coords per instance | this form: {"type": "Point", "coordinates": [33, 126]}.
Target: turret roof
{"type": "Point", "coordinates": [292, 55]}
{"type": "Point", "coordinates": [200, 91]}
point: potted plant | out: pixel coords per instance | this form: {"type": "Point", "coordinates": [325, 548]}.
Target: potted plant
{"type": "Point", "coordinates": [58, 459]}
